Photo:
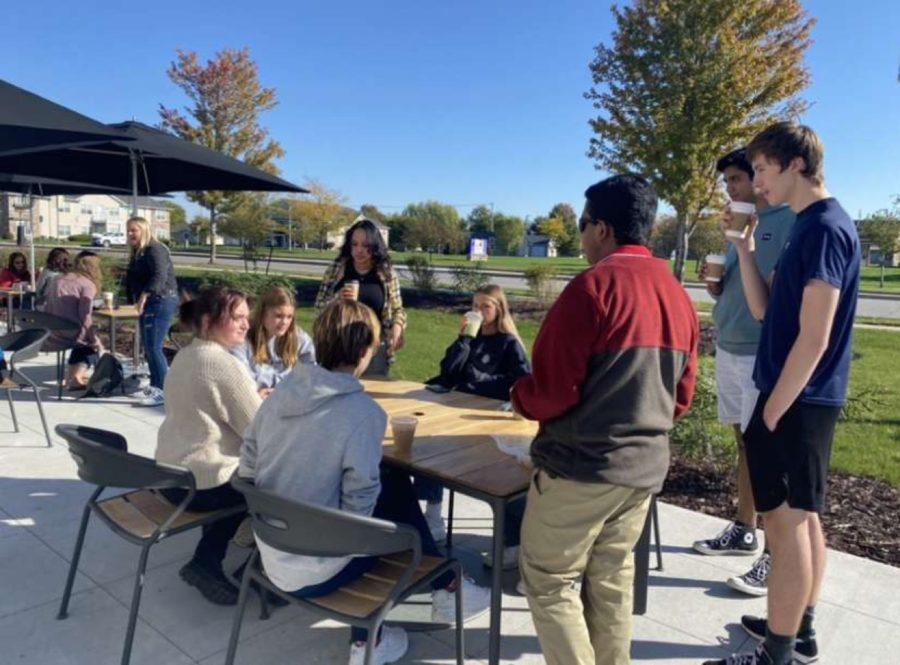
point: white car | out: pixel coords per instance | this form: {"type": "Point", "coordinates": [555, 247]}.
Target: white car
{"type": "Point", "coordinates": [107, 239]}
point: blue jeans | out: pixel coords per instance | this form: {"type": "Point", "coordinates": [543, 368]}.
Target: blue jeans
{"type": "Point", "coordinates": [156, 319]}
{"type": "Point", "coordinates": [397, 503]}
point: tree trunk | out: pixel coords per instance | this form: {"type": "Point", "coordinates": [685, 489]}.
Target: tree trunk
{"type": "Point", "coordinates": [212, 235]}
{"type": "Point", "coordinates": [681, 245]}
{"type": "Point", "coordinates": [882, 272]}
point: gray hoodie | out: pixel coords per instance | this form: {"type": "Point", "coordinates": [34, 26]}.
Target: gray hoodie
{"type": "Point", "coordinates": [318, 439]}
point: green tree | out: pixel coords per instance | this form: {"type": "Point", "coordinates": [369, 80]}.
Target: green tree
{"type": "Point", "coordinates": [662, 239]}
{"type": "Point", "coordinates": [250, 222]}
{"type": "Point", "coordinates": [177, 215]}
{"type": "Point", "coordinates": [226, 100]}
{"type": "Point", "coordinates": [320, 213]}
{"type": "Point", "coordinates": [685, 81]}
{"type": "Point", "coordinates": [509, 232]}
{"type": "Point", "coordinates": [434, 226]}
{"type": "Point", "coordinates": [707, 238]}
{"type": "Point", "coordinates": [480, 219]}
{"type": "Point", "coordinates": [882, 228]}
{"type": "Point", "coordinates": [372, 212]}
{"type": "Point", "coordinates": [568, 244]}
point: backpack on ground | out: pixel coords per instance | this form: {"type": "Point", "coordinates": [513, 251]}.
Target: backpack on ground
{"type": "Point", "coordinates": [108, 377]}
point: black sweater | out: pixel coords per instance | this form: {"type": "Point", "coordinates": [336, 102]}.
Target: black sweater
{"type": "Point", "coordinates": [487, 365]}
{"type": "Point", "coordinates": [151, 272]}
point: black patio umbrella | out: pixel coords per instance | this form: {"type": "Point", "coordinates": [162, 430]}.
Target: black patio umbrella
{"type": "Point", "coordinates": [25, 184]}
{"type": "Point", "coordinates": [29, 122]}
{"type": "Point", "coordinates": [152, 162]}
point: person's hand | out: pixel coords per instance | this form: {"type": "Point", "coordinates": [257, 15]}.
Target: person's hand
{"type": "Point", "coordinates": [141, 303]}
{"type": "Point", "coordinates": [396, 341]}
{"type": "Point", "coordinates": [347, 292]}
{"type": "Point", "coordinates": [265, 392]}
{"type": "Point", "coordinates": [772, 415]}
{"type": "Point", "coordinates": [462, 327]}
{"type": "Point", "coordinates": [746, 244]}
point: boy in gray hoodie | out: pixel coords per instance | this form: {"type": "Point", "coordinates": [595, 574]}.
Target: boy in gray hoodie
{"type": "Point", "coordinates": [318, 439]}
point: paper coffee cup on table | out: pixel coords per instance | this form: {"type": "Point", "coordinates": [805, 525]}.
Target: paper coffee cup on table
{"type": "Point", "coordinates": [108, 299]}
{"type": "Point", "coordinates": [715, 267]}
{"type": "Point", "coordinates": [740, 218]}
{"type": "Point", "coordinates": [404, 429]}
{"type": "Point", "coordinates": [353, 285]}
{"type": "Point", "coordinates": [473, 323]}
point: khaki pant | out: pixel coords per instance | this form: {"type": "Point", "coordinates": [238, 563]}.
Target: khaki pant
{"type": "Point", "coordinates": [581, 531]}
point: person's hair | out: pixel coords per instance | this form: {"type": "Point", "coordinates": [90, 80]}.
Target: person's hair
{"type": "Point", "coordinates": [785, 141]}
{"type": "Point", "coordinates": [380, 257]}
{"type": "Point", "coordinates": [22, 274]}
{"type": "Point", "coordinates": [738, 159]}
{"type": "Point", "coordinates": [627, 203]}
{"type": "Point", "coordinates": [343, 332]}
{"type": "Point", "coordinates": [505, 322]}
{"type": "Point", "coordinates": [87, 264]}
{"type": "Point", "coordinates": [146, 234]}
{"type": "Point", "coordinates": [286, 346]}
{"type": "Point", "coordinates": [58, 259]}
{"type": "Point", "coordinates": [217, 303]}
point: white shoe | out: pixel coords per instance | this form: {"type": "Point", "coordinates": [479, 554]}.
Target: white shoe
{"type": "Point", "coordinates": [151, 397]}
{"type": "Point", "coordinates": [391, 648]}
{"type": "Point", "coordinates": [437, 527]}
{"type": "Point", "coordinates": [510, 558]}
{"type": "Point", "coordinates": [520, 587]}
{"type": "Point", "coordinates": [476, 601]}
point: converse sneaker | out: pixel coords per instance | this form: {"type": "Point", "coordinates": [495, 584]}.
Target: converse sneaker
{"type": "Point", "coordinates": [758, 657]}
{"type": "Point", "coordinates": [390, 648]}
{"type": "Point", "coordinates": [734, 539]}
{"type": "Point", "coordinates": [754, 581]}
{"type": "Point", "coordinates": [806, 650]}
{"type": "Point", "coordinates": [510, 558]}
{"type": "Point", "coordinates": [151, 397]}
{"type": "Point", "coordinates": [476, 601]}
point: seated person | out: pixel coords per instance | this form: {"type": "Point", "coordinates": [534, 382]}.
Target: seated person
{"type": "Point", "coordinates": [487, 364]}
{"type": "Point", "coordinates": [318, 439]}
{"type": "Point", "coordinates": [57, 264]}
{"type": "Point", "coordinates": [16, 271]}
{"type": "Point", "coordinates": [210, 401]}
{"type": "Point", "coordinates": [275, 342]}
{"type": "Point", "coordinates": [71, 296]}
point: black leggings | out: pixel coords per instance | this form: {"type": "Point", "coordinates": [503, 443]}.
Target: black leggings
{"type": "Point", "coordinates": [214, 543]}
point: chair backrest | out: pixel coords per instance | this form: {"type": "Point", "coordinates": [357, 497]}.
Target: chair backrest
{"type": "Point", "coordinates": [24, 344]}
{"type": "Point", "coordinates": [303, 528]}
{"type": "Point", "coordinates": [23, 320]}
{"type": "Point", "coordinates": [103, 459]}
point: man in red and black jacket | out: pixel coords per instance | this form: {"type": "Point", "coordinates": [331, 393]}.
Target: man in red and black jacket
{"type": "Point", "coordinates": [614, 367]}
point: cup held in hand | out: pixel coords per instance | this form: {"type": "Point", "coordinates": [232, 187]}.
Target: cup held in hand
{"type": "Point", "coordinates": [473, 323]}
{"type": "Point", "coordinates": [404, 429]}
{"type": "Point", "coordinates": [715, 267]}
{"type": "Point", "coordinates": [740, 218]}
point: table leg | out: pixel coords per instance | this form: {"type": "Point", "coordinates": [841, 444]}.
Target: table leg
{"type": "Point", "coordinates": [112, 336]}
{"type": "Point", "coordinates": [642, 569]}
{"type": "Point", "coordinates": [499, 508]}
{"type": "Point", "coordinates": [136, 352]}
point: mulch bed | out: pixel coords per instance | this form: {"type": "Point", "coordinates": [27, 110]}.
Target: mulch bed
{"type": "Point", "coordinates": [860, 519]}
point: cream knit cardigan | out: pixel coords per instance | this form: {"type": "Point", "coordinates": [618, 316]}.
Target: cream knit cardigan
{"type": "Point", "coordinates": [210, 401]}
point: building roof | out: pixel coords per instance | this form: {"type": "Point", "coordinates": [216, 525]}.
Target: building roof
{"type": "Point", "coordinates": [142, 202]}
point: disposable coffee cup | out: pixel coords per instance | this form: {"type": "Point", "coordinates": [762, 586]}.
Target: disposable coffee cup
{"type": "Point", "coordinates": [740, 218]}
{"type": "Point", "coordinates": [473, 323]}
{"type": "Point", "coordinates": [108, 299]}
{"type": "Point", "coordinates": [353, 285]}
{"type": "Point", "coordinates": [404, 428]}
{"type": "Point", "coordinates": [715, 267]}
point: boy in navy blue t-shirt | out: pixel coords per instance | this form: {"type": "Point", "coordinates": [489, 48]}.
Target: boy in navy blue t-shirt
{"type": "Point", "coordinates": [802, 370]}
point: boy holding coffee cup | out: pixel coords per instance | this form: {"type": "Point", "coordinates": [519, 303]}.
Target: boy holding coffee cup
{"type": "Point", "coordinates": [738, 336]}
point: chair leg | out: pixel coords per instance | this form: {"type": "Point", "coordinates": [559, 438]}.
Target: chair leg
{"type": "Point", "coordinates": [12, 409]}
{"type": "Point", "coordinates": [73, 566]}
{"type": "Point", "coordinates": [263, 604]}
{"type": "Point", "coordinates": [655, 516]}
{"type": "Point", "coordinates": [450, 521]}
{"type": "Point", "coordinates": [135, 603]}
{"type": "Point", "coordinates": [460, 644]}
{"type": "Point", "coordinates": [40, 406]}
{"type": "Point", "coordinates": [238, 616]}
{"type": "Point", "coordinates": [60, 359]}
{"type": "Point", "coordinates": [371, 643]}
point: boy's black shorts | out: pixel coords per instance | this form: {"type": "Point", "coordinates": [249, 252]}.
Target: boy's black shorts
{"type": "Point", "coordinates": [791, 463]}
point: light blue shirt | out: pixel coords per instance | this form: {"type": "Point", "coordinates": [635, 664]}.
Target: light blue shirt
{"type": "Point", "coordinates": [268, 375]}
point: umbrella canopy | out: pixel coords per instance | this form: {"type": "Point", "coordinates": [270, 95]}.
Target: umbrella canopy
{"type": "Point", "coordinates": [152, 162]}
{"type": "Point", "coordinates": [29, 122]}
{"type": "Point", "coordinates": [23, 184]}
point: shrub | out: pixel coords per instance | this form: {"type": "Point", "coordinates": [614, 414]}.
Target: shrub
{"type": "Point", "coordinates": [251, 283]}
{"type": "Point", "coordinates": [468, 278]}
{"type": "Point", "coordinates": [699, 435]}
{"type": "Point", "coordinates": [423, 275]}
{"type": "Point", "coordinates": [80, 238]}
{"type": "Point", "coordinates": [540, 280]}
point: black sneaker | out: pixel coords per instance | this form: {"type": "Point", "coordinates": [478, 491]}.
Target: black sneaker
{"type": "Point", "coordinates": [805, 648]}
{"type": "Point", "coordinates": [758, 657]}
{"type": "Point", "coordinates": [213, 584]}
{"type": "Point", "coordinates": [734, 539]}
{"type": "Point", "coordinates": [754, 581]}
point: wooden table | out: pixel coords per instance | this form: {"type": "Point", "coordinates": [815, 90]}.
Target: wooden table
{"type": "Point", "coordinates": [11, 294]}
{"type": "Point", "coordinates": [455, 444]}
{"type": "Point", "coordinates": [123, 313]}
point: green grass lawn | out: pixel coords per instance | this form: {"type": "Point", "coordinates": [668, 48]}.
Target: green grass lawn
{"type": "Point", "coordinates": [868, 444]}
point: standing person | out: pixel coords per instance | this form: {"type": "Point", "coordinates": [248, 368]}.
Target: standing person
{"type": "Point", "coordinates": [319, 439]}
{"type": "Point", "coordinates": [71, 296]}
{"type": "Point", "coordinates": [487, 363]}
{"type": "Point", "coordinates": [57, 264]}
{"type": "Point", "coordinates": [363, 271]}
{"type": "Point", "coordinates": [614, 366]}
{"type": "Point", "coordinates": [802, 372]}
{"type": "Point", "coordinates": [737, 339]}
{"type": "Point", "coordinates": [275, 343]}
{"type": "Point", "coordinates": [210, 401]}
{"type": "Point", "coordinates": [151, 287]}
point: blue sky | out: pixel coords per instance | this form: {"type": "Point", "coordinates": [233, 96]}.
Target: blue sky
{"type": "Point", "coordinates": [463, 102]}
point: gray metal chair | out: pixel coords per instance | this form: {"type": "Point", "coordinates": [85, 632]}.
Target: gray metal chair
{"type": "Point", "coordinates": [307, 529]}
{"type": "Point", "coordinates": [25, 320]}
{"type": "Point", "coordinates": [143, 516]}
{"type": "Point", "coordinates": [24, 345]}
